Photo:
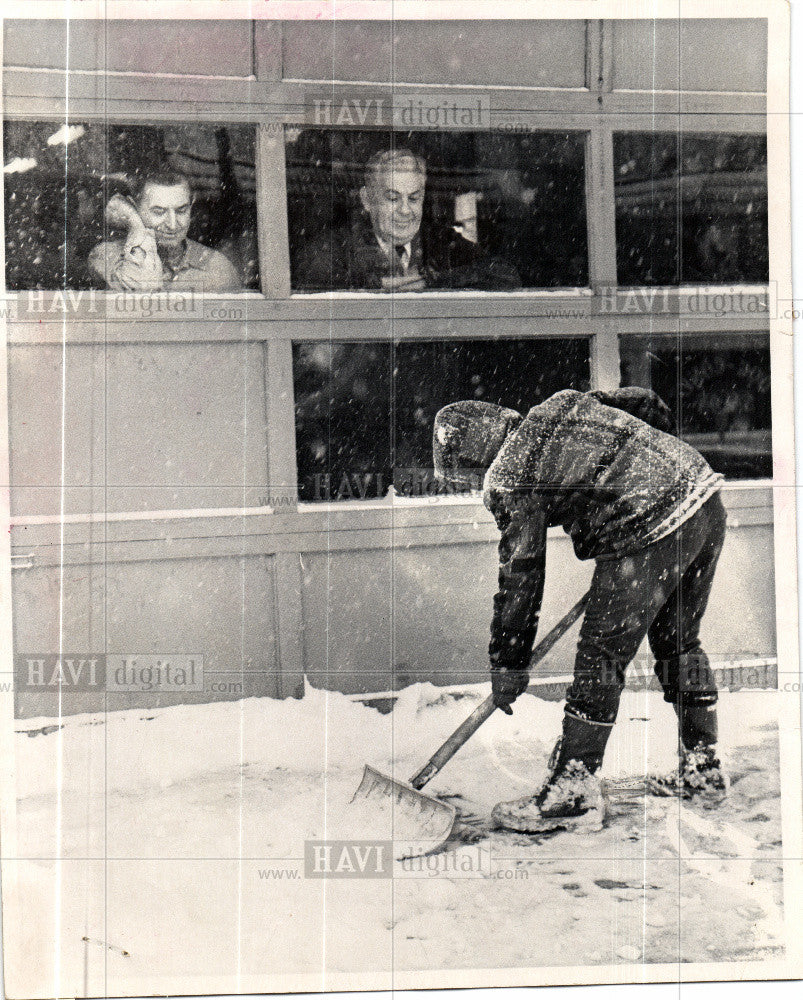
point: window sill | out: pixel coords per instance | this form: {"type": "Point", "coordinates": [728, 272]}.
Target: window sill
{"type": "Point", "coordinates": [652, 310]}
{"type": "Point", "coordinates": [439, 293]}
{"type": "Point", "coordinates": [348, 526]}
{"type": "Point", "coordinates": [741, 493]}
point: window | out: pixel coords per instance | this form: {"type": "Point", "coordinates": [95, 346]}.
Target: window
{"type": "Point", "coordinates": [499, 211]}
{"type": "Point", "coordinates": [516, 201]}
{"type": "Point", "coordinates": [691, 209]}
{"type": "Point", "coordinates": [59, 178]}
{"type": "Point", "coordinates": [718, 387]}
{"type": "Point", "coordinates": [365, 411]}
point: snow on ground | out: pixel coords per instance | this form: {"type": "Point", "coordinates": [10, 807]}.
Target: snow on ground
{"type": "Point", "coordinates": [182, 832]}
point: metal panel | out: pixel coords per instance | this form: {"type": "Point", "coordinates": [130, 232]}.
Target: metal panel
{"type": "Point", "coordinates": [144, 426]}
{"type": "Point", "coordinates": [220, 608]}
{"type": "Point", "coordinates": [379, 619]}
{"type": "Point", "coordinates": [202, 48]}
{"type": "Point", "coordinates": [502, 53]}
{"type": "Point", "coordinates": [348, 619]}
{"type": "Point", "coordinates": [185, 426]}
{"type": "Point", "coordinates": [690, 54]}
{"type": "Point", "coordinates": [56, 428]}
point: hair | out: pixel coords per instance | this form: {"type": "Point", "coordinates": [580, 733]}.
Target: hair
{"type": "Point", "coordinates": [163, 175]}
{"type": "Point", "coordinates": [388, 157]}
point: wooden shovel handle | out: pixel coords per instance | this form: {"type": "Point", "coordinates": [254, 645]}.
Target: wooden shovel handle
{"type": "Point", "coordinates": [467, 728]}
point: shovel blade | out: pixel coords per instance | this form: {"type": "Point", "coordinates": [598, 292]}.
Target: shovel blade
{"type": "Point", "coordinates": [389, 809]}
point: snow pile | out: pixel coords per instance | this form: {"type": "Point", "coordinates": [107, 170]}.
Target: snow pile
{"type": "Point", "coordinates": [167, 746]}
{"type": "Point", "coordinates": [184, 832]}
{"type": "Point", "coordinates": [327, 731]}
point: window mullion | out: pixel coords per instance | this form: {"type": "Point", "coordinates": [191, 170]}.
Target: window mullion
{"type": "Point", "coordinates": [274, 241]}
{"type": "Point", "coordinates": [282, 473]}
{"type": "Point", "coordinates": [601, 219]}
{"type": "Point", "coordinates": [600, 211]}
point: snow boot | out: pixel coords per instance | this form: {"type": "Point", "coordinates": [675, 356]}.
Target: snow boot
{"type": "Point", "coordinates": [699, 774]}
{"type": "Point", "coordinates": [572, 797]}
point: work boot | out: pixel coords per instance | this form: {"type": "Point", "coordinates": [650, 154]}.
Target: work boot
{"type": "Point", "coordinates": [572, 797]}
{"type": "Point", "coordinates": [699, 774]}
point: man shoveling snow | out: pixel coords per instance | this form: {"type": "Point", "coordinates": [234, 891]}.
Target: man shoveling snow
{"type": "Point", "coordinates": [646, 507]}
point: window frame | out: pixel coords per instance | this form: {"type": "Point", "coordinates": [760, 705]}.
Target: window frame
{"type": "Point", "coordinates": [278, 316]}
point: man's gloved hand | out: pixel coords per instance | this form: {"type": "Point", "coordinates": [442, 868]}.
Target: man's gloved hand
{"type": "Point", "coordinates": [507, 684]}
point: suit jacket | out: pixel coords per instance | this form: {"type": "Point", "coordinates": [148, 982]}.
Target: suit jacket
{"type": "Point", "coordinates": [350, 258]}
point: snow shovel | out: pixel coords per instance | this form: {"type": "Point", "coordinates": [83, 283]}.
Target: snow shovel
{"type": "Point", "coordinates": [420, 822]}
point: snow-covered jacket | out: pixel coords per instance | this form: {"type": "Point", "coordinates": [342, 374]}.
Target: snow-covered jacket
{"type": "Point", "coordinates": [613, 481]}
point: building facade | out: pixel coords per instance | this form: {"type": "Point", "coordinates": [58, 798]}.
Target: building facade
{"type": "Point", "coordinates": [244, 476]}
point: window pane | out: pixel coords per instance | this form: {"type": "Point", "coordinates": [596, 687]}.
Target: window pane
{"type": "Point", "coordinates": [718, 388]}
{"type": "Point", "coordinates": [499, 211]}
{"type": "Point", "coordinates": [364, 411]}
{"type": "Point", "coordinates": [500, 53]}
{"type": "Point", "coordinates": [186, 47]}
{"type": "Point", "coordinates": [690, 209]}
{"type": "Point", "coordinates": [59, 178]}
{"type": "Point", "coordinates": [676, 54]}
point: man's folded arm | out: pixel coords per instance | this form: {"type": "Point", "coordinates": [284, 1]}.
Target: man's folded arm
{"type": "Point", "coordinates": [133, 266]}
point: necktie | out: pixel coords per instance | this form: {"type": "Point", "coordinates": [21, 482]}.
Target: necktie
{"type": "Point", "coordinates": [403, 252]}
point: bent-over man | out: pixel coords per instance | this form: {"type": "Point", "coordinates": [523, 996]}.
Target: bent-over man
{"type": "Point", "coordinates": [646, 507]}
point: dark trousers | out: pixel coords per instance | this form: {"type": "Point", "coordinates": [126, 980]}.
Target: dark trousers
{"type": "Point", "coordinates": [661, 592]}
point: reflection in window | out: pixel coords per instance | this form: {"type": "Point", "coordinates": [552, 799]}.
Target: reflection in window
{"type": "Point", "coordinates": [60, 177]}
{"type": "Point", "coordinates": [690, 209]}
{"type": "Point", "coordinates": [718, 387]}
{"type": "Point", "coordinates": [500, 211]}
{"type": "Point", "coordinates": [364, 411]}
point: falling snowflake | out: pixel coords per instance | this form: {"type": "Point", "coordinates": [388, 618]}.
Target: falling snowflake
{"type": "Point", "coordinates": [19, 165]}
{"type": "Point", "coordinates": [65, 135]}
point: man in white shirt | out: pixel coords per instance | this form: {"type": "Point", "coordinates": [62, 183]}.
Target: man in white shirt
{"type": "Point", "coordinates": [156, 253]}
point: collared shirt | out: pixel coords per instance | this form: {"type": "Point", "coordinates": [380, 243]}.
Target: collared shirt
{"type": "Point", "coordinates": [135, 264]}
{"type": "Point", "coordinates": [401, 251]}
